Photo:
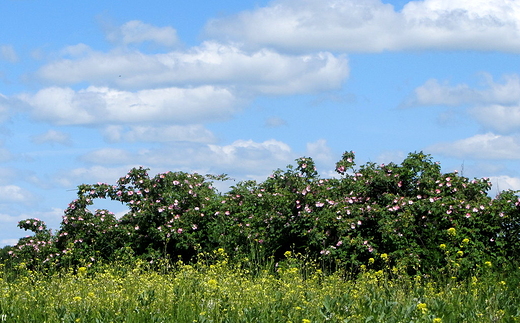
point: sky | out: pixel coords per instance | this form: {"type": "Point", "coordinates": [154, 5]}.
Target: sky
{"type": "Point", "coordinates": [90, 89]}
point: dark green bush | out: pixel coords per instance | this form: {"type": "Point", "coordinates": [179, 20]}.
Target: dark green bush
{"type": "Point", "coordinates": [410, 216]}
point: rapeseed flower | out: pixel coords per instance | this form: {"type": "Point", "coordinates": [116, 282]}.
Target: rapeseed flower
{"type": "Point", "coordinates": [422, 307]}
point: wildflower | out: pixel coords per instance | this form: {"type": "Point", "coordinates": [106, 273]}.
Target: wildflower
{"type": "Point", "coordinates": [442, 246]}
{"type": "Point", "coordinates": [306, 321]}
{"type": "Point", "coordinates": [76, 299]}
{"type": "Point", "coordinates": [82, 271]}
{"type": "Point", "coordinates": [465, 241]}
{"type": "Point", "coordinates": [460, 253]}
{"type": "Point", "coordinates": [422, 307]}
{"type": "Point", "coordinates": [371, 260]}
{"type": "Point", "coordinates": [437, 320]}
{"type": "Point", "coordinates": [287, 254]}
{"type": "Point", "coordinates": [452, 231]}
{"type": "Point", "coordinates": [488, 264]}
{"type": "Point", "coordinates": [384, 256]}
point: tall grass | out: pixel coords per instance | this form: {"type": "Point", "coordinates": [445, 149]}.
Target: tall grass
{"type": "Point", "coordinates": [224, 291]}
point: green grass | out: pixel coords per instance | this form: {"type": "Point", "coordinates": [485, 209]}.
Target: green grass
{"type": "Point", "coordinates": [221, 292]}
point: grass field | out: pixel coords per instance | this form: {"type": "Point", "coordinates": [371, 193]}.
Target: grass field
{"type": "Point", "coordinates": [218, 291]}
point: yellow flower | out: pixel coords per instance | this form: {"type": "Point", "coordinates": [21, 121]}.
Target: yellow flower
{"type": "Point", "coordinates": [422, 307]}
{"type": "Point", "coordinates": [437, 320]}
{"type": "Point", "coordinates": [212, 283]}
{"type": "Point", "coordinates": [371, 260]}
{"type": "Point", "coordinates": [442, 246]}
{"type": "Point", "coordinates": [384, 256]}
{"type": "Point", "coordinates": [306, 321]}
{"type": "Point", "coordinates": [287, 254]}
{"type": "Point", "coordinates": [82, 271]}
{"type": "Point", "coordinates": [465, 241]}
{"type": "Point", "coordinates": [488, 264]}
{"type": "Point", "coordinates": [452, 231]}
{"type": "Point", "coordinates": [460, 253]}
{"type": "Point", "coordinates": [76, 299]}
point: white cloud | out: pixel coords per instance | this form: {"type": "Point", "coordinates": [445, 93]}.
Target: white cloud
{"type": "Point", "coordinates": [482, 146]}
{"type": "Point", "coordinates": [136, 32]}
{"type": "Point", "coordinates": [495, 105]}
{"type": "Point", "coordinates": [371, 26]}
{"type": "Point", "coordinates": [434, 93]}
{"type": "Point", "coordinates": [319, 151]}
{"type": "Point", "coordinates": [108, 156]}
{"type": "Point", "coordinates": [250, 156]}
{"type": "Point", "coordinates": [76, 50]}
{"type": "Point", "coordinates": [96, 105]}
{"type": "Point", "coordinates": [8, 53]}
{"type": "Point", "coordinates": [52, 136]}
{"type": "Point", "coordinates": [243, 158]}
{"type": "Point", "coordinates": [503, 119]}
{"type": "Point", "coordinates": [14, 193]}
{"type": "Point", "coordinates": [192, 133]}
{"type": "Point", "coordinates": [505, 182]}
{"type": "Point", "coordinates": [11, 218]}
{"type": "Point", "coordinates": [74, 177]}
{"type": "Point", "coordinates": [263, 71]}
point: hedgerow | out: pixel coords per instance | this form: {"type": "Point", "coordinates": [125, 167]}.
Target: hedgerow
{"type": "Point", "coordinates": [411, 217]}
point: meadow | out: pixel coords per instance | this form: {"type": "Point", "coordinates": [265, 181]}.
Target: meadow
{"type": "Point", "coordinates": [377, 243]}
{"type": "Point", "coordinates": [221, 290]}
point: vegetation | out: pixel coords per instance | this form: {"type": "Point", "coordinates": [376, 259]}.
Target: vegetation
{"type": "Point", "coordinates": [392, 243]}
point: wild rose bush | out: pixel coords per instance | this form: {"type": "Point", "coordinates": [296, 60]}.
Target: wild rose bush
{"type": "Point", "coordinates": [410, 216]}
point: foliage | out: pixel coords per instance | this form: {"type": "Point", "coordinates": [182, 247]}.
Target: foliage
{"type": "Point", "coordinates": [411, 217]}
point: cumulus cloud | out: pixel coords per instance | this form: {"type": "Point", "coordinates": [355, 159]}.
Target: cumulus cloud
{"type": "Point", "coordinates": [495, 105]}
{"type": "Point", "coordinates": [8, 53]}
{"type": "Point", "coordinates": [192, 133]}
{"type": "Point", "coordinates": [101, 105]}
{"type": "Point", "coordinates": [52, 136]}
{"type": "Point", "coordinates": [503, 119]}
{"type": "Point", "coordinates": [371, 26]}
{"type": "Point", "coordinates": [136, 32]}
{"type": "Point", "coordinates": [242, 158]}
{"type": "Point", "coordinates": [435, 93]}
{"type": "Point", "coordinates": [481, 146]}
{"type": "Point", "coordinates": [263, 71]}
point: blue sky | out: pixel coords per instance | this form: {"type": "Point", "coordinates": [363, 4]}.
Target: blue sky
{"type": "Point", "coordinates": [90, 89]}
